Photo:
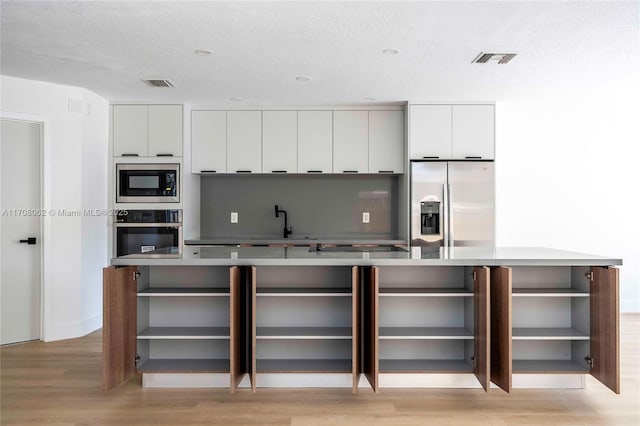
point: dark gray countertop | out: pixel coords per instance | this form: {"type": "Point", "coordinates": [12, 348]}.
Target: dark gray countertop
{"type": "Point", "coordinates": [438, 256]}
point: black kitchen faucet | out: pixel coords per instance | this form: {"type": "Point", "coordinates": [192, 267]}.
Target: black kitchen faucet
{"type": "Point", "coordinates": [287, 229]}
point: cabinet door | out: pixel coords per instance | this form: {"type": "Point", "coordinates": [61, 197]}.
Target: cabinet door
{"type": "Point", "coordinates": [244, 141]}
{"type": "Point", "coordinates": [605, 327]}
{"type": "Point", "coordinates": [473, 131]}
{"type": "Point", "coordinates": [350, 142]}
{"type": "Point", "coordinates": [209, 141]}
{"type": "Point", "coordinates": [236, 322]}
{"type": "Point", "coordinates": [370, 317]}
{"type": "Point", "coordinates": [386, 141]}
{"type": "Point", "coordinates": [355, 327]}
{"type": "Point", "coordinates": [119, 307]}
{"type": "Point", "coordinates": [429, 131]}
{"type": "Point", "coordinates": [501, 327]}
{"type": "Point", "coordinates": [252, 284]}
{"type": "Point", "coordinates": [481, 351]}
{"type": "Point", "coordinates": [130, 130]}
{"type": "Point", "coordinates": [165, 130]}
{"type": "Point", "coordinates": [279, 141]}
{"type": "Point", "coordinates": [315, 140]}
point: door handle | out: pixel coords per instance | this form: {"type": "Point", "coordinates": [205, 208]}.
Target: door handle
{"type": "Point", "coordinates": [29, 240]}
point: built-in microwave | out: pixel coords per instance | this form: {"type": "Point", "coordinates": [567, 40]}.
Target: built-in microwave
{"type": "Point", "coordinates": [147, 183]}
{"type": "Point", "coordinates": [148, 233]}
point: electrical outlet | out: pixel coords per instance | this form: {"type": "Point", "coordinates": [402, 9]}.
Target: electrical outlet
{"type": "Point", "coordinates": [234, 217]}
{"type": "Point", "coordinates": [365, 217]}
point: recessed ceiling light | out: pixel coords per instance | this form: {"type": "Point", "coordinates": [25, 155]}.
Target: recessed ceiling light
{"type": "Point", "coordinates": [369, 98]}
{"type": "Point", "coordinates": [236, 99]}
{"type": "Point", "coordinates": [202, 52]}
{"type": "Point", "coordinates": [303, 78]}
{"type": "Point", "coordinates": [391, 51]}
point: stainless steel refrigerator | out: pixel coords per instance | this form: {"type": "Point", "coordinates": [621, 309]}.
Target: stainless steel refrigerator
{"type": "Point", "coordinates": [452, 203]}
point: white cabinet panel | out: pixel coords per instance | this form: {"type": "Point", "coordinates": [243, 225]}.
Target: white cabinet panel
{"type": "Point", "coordinates": [209, 141]}
{"type": "Point", "coordinates": [280, 141]}
{"type": "Point", "coordinates": [315, 140]}
{"type": "Point", "coordinates": [350, 141]}
{"type": "Point", "coordinates": [473, 131]}
{"type": "Point", "coordinates": [386, 141]}
{"type": "Point", "coordinates": [430, 131]}
{"type": "Point", "coordinates": [244, 141]}
{"type": "Point", "coordinates": [130, 130]}
{"type": "Point", "coordinates": [165, 130]}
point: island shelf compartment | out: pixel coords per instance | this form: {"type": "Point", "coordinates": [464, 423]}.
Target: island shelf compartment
{"type": "Point", "coordinates": [427, 323]}
{"type": "Point", "coordinates": [183, 318]}
{"type": "Point", "coordinates": [552, 321]}
{"type": "Point", "coordinates": [304, 326]}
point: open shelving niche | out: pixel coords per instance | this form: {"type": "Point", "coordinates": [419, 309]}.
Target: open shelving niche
{"type": "Point", "coordinates": [304, 326]}
{"type": "Point", "coordinates": [426, 326]}
{"type": "Point", "coordinates": [551, 321]}
{"type": "Point", "coordinates": [183, 317]}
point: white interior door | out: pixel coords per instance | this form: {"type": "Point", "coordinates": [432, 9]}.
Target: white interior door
{"type": "Point", "coordinates": [20, 203]}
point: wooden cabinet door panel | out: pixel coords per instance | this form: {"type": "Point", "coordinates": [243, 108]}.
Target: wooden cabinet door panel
{"type": "Point", "coordinates": [482, 315]}
{"type": "Point", "coordinates": [119, 325]}
{"type": "Point", "coordinates": [236, 324]}
{"type": "Point", "coordinates": [370, 329]}
{"type": "Point", "coordinates": [605, 327]}
{"type": "Point", "coordinates": [501, 327]}
{"type": "Point", "coordinates": [355, 326]}
{"type": "Point", "coordinates": [251, 315]}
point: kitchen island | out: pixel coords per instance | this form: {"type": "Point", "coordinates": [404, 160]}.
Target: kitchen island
{"type": "Point", "coordinates": [425, 317]}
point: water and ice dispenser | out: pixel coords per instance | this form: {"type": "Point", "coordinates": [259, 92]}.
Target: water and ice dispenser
{"type": "Point", "coordinates": [430, 217]}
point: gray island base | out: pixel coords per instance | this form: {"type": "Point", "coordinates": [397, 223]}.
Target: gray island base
{"type": "Point", "coordinates": [261, 317]}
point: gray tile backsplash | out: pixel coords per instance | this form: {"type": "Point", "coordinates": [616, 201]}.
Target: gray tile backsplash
{"type": "Point", "coordinates": [317, 205]}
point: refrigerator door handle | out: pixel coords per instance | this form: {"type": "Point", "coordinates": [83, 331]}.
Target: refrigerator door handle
{"type": "Point", "coordinates": [445, 215]}
{"type": "Point", "coordinates": [450, 214]}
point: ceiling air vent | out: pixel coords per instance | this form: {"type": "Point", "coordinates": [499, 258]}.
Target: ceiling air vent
{"type": "Point", "coordinates": [500, 58]}
{"type": "Point", "coordinates": [159, 82]}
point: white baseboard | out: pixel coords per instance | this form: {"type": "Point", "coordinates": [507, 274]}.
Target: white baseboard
{"type": "Point", "coordinates": [72, 330]}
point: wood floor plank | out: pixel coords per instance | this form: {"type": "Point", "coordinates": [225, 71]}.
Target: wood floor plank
{"type": "Point", "coordinates": [60, 383]}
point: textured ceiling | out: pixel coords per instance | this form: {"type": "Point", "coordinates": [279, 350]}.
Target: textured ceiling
{"type": "Point", "coordinates": [260, 47]}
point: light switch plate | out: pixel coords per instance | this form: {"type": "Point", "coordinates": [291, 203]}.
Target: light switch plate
{"type": "Point", "coordinates": [365, 217]}
{"type": "Point", "coordinates": [234, 217]}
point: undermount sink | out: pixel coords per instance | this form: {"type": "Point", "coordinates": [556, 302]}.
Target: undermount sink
{"type": "Point", "coordinates": [349, 249]}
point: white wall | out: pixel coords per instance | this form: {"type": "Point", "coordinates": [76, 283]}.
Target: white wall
{"type": "Point", "coordinates": [568, 175]}
{"type": "Point", "coordinates": [77, 165]}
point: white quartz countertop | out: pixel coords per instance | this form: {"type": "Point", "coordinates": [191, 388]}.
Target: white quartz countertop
{"type": "Point", "coordinates": [434, 256]}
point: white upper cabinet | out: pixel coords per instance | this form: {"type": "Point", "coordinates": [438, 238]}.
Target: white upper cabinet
{"type": "Point", "coordinates": [130, 130]}
{"type": "Point", "coordinates": [451, 131]}
{"type": "Point", "coordinates": [147, 130]}
{"type": "Point", "coordinates": [350, 141]}
{"type": "Point", "coordinates": [280, 141]}
{"type": "Point", "coordinates": [386, 141]}
{"type": "Point", "coordinates": [315, 140]}
{"type": "Point", "coordinates": [473, 131]}
{"type": "Point", "coordinates": [165, 130]}
{"type": "Point", "coordinates": [244, 141]}
{"type": "Point", "coordinates": [430, 132]}
{"type": "Point", "coordinates": [209, 141]}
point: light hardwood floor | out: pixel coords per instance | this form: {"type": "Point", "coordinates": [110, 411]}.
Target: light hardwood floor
{"type": "Point", "coordinates": [60, 384]}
